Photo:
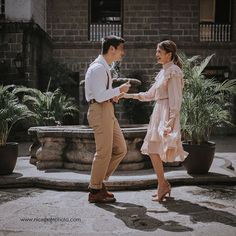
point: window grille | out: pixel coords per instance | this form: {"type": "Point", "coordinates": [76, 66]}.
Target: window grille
{"type": "Point", "coordinates": [105, 19]}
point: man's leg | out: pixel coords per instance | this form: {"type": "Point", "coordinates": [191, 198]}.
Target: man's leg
{"type": "Point", "coordinates": [119, 149]}
{"type": "Point", "coordinates": [102, 123]}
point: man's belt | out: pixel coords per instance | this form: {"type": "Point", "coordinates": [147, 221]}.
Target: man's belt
{"type": "Point", "coordinates": [94, 101]}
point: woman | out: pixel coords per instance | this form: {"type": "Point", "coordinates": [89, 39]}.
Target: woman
{"type": "Point", "coordinates": [163, 140]}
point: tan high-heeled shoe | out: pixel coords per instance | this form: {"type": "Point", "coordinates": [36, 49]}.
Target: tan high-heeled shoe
{"type": "Point", "coordinates": [162, 192]}
{"type": "Point", "coordinates": [155, 194]}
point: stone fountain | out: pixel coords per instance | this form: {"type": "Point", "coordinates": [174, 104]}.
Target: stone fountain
{"type": "Point", "coordinates": [73, 147]}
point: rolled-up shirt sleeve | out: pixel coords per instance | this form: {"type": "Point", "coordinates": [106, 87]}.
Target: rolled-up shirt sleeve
{"type": "Point", "coordinates": [175, 86]}
{"type": "Point", "coordinates": [97, 82]}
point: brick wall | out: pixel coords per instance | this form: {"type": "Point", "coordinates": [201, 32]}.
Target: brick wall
{"type": "Point", "coordinates": [34, 45]}
{"type": "Point", "coordinates": [141, 20]}
{"type": "Point", "coordinates": [151, 20]}
{"type": "Point", "coordinates": [185, 21]}
{"type": "Point", "coordinates": [145, 22]}
{"type": "Point", "coordinates": [67, 20]}
{"type": "Point", "coordinates": [11, 44]}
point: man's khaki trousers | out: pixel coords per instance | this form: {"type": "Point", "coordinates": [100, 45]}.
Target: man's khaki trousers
{"type": "Point", "coordinates": [110, 143]}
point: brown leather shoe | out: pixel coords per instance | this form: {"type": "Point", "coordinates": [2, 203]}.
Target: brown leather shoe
{"type": "Point", "coordinates": [100, 197]}
{"type": "Point", "coordinates": [104, 189]}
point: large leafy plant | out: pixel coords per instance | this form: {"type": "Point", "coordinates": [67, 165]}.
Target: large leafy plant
{"type": "Point", "coordinates": [11, 111]}
{"type": "Point", "coordinates": [49, 108]}
{"type": "Point", "coordinates": [206, 102]}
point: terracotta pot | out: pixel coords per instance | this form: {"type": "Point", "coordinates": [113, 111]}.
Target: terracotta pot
{"type": "Point", "coordinates": [8, 157]}
{"type": "Point", "coordinates": [200, 157]}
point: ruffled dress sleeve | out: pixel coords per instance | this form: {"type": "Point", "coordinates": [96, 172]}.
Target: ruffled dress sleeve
{"type": "Point", "coordinates": [175, 88]}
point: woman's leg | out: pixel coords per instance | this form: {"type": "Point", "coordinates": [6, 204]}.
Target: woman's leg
{"type": "Point", "coordinates": [163, 185]}
{"type": "Point", "coordinates": [158, 168]}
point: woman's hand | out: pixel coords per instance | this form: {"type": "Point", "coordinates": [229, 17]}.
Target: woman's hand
{"type": "Point", "coordinates": [167, 129]}
{"type": "Point", "coordinates": [128, 95]}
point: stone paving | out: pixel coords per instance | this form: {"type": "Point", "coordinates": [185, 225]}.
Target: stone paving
{"type": "Point", "coordinates": [192, 210]}
{"type": "Point", "coordinates": [198, 209]}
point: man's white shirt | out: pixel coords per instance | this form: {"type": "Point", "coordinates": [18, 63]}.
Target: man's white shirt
{"type": "Point", "coordinates": [96, 81]}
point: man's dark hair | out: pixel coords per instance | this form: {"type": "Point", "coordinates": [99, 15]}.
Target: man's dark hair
{"type": "Point", "coordinates": [111, 40]}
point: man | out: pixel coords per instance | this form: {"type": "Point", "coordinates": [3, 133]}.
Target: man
{"type": "Point", "coordinates": [110, 143]}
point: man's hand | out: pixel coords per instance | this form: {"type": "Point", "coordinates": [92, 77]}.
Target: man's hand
{"type": "Point", "coordinates": [124, 88]}
{"type": "Point", "coordinates": [117, 98]}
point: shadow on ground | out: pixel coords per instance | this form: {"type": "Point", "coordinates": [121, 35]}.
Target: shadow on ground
{"type": "Point", "coordinates": [136, 217]}
{"type": "Point", "coordinates": [7, 195]}
{"type": "Point", "coordinates": [198, 213]}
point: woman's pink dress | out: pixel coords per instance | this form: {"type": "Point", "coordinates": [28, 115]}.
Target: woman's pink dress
{"type": "Point", "coordinates": [167, 92]}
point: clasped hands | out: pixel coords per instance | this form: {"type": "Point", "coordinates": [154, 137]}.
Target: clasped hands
{"type": "Point", "coordinates": [124, 88]}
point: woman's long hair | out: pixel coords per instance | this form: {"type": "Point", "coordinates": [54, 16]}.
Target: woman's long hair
{"type": "Point", "coordinates": [170, 46]}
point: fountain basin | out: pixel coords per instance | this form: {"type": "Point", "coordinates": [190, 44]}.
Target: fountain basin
{"type": "Point", "coordinates": [73, 147]}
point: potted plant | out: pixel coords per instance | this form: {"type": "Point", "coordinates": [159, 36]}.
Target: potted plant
{"type": "Point", "coordinates": [11, 111]}
{"type": "Point", "coordinates": [49, 108]}
{"type": "Point", "coordinates": [206, 105]}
